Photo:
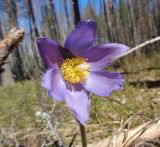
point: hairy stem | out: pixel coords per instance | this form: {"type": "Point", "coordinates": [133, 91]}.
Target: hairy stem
{"type": "Point", "coordinates": [83, 135]}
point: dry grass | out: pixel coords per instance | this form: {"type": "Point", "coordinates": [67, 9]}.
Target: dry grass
{"type": "Point", "coordinates": [18, 105]}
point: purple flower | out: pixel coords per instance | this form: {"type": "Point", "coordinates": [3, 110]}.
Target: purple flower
{"type": "Point", "coordinates": [79, 67]}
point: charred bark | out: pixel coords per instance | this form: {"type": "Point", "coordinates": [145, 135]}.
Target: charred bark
{"type": "Point", "coordinates": [76, 11]}
{"type": "Point", "coordinates": [33, 17]}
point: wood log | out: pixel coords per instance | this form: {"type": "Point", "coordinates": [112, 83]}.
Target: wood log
{"type": "Point", "coordinates": [146, 135]}
{"type": "Point", "coordinates": [12, 39]}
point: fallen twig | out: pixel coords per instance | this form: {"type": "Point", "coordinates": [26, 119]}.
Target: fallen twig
{"type": "Point", "coordinates": [149, 130]}
{"type": "Point", "coordinates": [138, 47]}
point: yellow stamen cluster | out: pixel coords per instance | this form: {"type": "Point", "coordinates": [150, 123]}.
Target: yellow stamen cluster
{"type": "Point", "coordinates": [75, 70]}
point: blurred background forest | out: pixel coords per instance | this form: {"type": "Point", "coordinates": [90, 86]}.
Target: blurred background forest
{"type": "Point", "coordinates": [125, 21]}
{"type": "Point", "coordinates": [130, 22]}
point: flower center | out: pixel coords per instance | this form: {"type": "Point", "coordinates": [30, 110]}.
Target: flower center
{"type": "Point", "coordinates": [75, 70]}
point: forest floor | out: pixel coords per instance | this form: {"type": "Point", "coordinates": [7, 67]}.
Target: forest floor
{"type": "Point", "coordinates": [20, 103]}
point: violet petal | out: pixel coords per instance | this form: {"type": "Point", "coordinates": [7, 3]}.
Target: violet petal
{"type": "Point", "coordinates": [101, 56]}
{"type": "Point", "coordinates": [82, 37]}
{"type": "Point", "coordinates": [77, 101]}
{"type": "Point", "coordinates": [53, 82]}
{"type": "Point", "coordinates": [48, 50]}
{"type": "Point", "coordinates": [106, 82]}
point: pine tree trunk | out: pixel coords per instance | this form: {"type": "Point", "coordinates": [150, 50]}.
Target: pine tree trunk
{"type": "Point", "coordinates": [106, 20]}
{"type": "Point", "coordinates": [76, 11]}
{"type": "Point", "coordinates": [33, 17]}
{"type": "Point", "coordinates": [66, 13]}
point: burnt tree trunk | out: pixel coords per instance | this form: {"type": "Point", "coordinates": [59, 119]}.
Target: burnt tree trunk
{"type": "Point", "coordinates": [33, 17]}
{"type": "Point", "coordinates": [106, 20]}
{"type": "Point", "coordinates": [76, 11]}
{"type": "Point", "coordinates": [66, 12]}
{"type": "Point", "coordinates": [53, 12]}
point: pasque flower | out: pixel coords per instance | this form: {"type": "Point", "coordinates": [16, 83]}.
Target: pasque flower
{"type": "Point", "coordinates": [79, 67]}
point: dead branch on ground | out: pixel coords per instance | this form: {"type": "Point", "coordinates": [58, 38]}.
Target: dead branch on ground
{"type": "Point", "coordinates": [142, 135]}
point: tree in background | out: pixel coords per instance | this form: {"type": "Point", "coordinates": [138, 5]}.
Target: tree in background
{"type": "Point", "coordinates": [127, 21]}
